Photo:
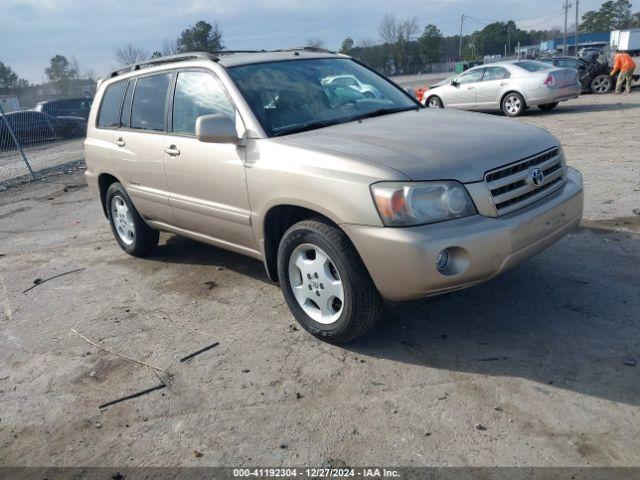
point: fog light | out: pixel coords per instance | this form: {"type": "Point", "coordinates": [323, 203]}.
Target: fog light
{"type": "Point", "coordinates": [442, 260]}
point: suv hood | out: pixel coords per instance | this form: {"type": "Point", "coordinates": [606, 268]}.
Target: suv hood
{"type": "Point", "coordinates": [430, 144]}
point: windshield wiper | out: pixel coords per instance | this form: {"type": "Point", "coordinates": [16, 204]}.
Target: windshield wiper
{"type": "Point", "coordinates": [303, 127]}
{"type": "Point", "coordinates": [380, 112]}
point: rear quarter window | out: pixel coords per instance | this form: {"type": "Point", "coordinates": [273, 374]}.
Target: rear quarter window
{"type": "Point", "coordinates": [109, 116]}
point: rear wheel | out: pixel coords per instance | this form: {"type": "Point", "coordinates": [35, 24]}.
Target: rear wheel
{"type": "Point", "coordinates": [324, 282]}
{"type": "Point", "coordinates": [547, 107]}
{"type": "Point", "coordinates": [601, 84]}
{"type": "Point", "coordinates": [434, 102]}
{"type": "Point", "coordinates": [132, 233]}
{"type": "Point", "coordinates": [513, 104]}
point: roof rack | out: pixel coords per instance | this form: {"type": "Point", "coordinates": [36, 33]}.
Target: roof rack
{"type": "Point", "coordinates": [214, 56]}
{"type": "Point", "coordinates": [305, 49]}
{"type": "Point", "coordinates": [181, 57]}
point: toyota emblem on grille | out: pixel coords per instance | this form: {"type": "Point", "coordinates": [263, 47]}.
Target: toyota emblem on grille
{"type": "Point", "coordinates": [536, 177]}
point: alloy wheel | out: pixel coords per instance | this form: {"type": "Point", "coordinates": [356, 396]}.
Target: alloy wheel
{"type": "Point", "coordinates": [513, 104]}
{"type": "Point", "coordinates": [316, 283]}
{"type": "Point", "coordinates": [122, 220]}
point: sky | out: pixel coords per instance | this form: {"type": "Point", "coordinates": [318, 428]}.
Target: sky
{"type": "Point", "coordinates": [33, 31]}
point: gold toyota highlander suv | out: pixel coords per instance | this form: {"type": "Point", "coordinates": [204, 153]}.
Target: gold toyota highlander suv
{"type": "Point", "coordinates": [350, 192]}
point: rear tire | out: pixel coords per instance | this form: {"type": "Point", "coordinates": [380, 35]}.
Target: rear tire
{"type": "Point", "coordinates": [547, 107]}
{"type": "Point", "coordinates": [324, 282]}
{"type": "Point", "coordinates": [513, 104]}
{"type": "Point", "coordinates": [434, 102]}
{"type": "Point", "coordinates": [132, 233]}
{"type": "Point", "coordinates": [601, 84]}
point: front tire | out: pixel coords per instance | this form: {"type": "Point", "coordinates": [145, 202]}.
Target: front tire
{"type": "Point", "coordinates": [513, 104]}
{"type": "Point", "coordinates": [547, 107]}
{"type": "Point", "coordinates": [325, 283]}
{"type": "Point", "coordinates": [132, 233]}
{"type": "Point", "coordinates": [601, 84]}
{"type": "Point", "coordinates": [434, 102]}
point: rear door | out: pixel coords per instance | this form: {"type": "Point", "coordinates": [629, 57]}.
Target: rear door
{"type": "Point", "coordinates": [139, 141]}
{"type": "Point", "coordinates": [207, 182]}
{"type": "Point", "coordinates": [489, 91]}
{"type": "Point", "coordinates": [463, 94]}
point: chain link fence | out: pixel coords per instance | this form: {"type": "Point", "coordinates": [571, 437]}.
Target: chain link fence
{"type": "Point", "coordinates": [42, 129]}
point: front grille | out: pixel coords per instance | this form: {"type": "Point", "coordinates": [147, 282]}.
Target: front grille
{"type": "Point", "coordinates": [511, 188]}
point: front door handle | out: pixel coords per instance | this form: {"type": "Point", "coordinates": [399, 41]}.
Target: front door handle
{"type": "Point", "coordinates": [120, 142]}
{"type": "Point", "coordinates": [172, 150]}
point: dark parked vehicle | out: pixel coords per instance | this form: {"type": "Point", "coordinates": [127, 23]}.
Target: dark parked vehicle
{"type": "Point", "coordinates": [30, 126]}
{"type": "Point", "coordinates": [593, 76]}
{"type": "Point", "coordinates": [66, 107]}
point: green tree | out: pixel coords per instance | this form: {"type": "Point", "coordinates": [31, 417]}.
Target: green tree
{"type": "Point", "coordinates": [201, 37]}
{"type": "Point", "coordinates": [430, 44]}
{"type": "Point", "coordinates": [612, 15]}
{"type": "Point", "coordinates": [347, 45]}
{"type": "Point", "coordinates": [60, 70]}
{"type": "Point", "coordinates": [61, 74]}
{"type": "Point", "coordinates": [8, 78]}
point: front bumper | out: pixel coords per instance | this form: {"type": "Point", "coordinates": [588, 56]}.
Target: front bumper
{"type": "Point", "coordinates": [401, 261]}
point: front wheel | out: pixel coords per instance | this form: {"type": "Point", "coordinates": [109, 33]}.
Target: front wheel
{"type": "Point", "coordinates": [547, 107]}
{"type": "Point", "coordinates": [132, 233]}
{"type": "Point", "coordinates": [434, 102]}
{"type": "Point", "coordinates": [325, 283]}
{"type": "Point", "coordinates": [601, 84]}
{"type": "Point", "coordinates": [513, 104]}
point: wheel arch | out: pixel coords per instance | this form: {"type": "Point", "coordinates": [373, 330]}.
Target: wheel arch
{"type": "Point", "coordinates": [105, 180]}
{"type": "Point", "coordinates": [504, 95]}
{"type": "Point", "coordinates": [429, 97]}
{"type": "Point", "coordinates": [278, 219]}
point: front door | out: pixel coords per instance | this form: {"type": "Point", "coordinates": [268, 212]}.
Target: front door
{"type": "Point", "coordinates": [463, 93]}
{"type": "Point", "coordinates": [207, 183]}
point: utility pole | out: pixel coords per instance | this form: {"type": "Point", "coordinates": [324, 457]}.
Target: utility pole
{"type": "Point", "coordinates": [566, 15]}
{"type": "Point", "coordinates": [460, 48]}
{"type": "Point", "coordinates": [577, 24]}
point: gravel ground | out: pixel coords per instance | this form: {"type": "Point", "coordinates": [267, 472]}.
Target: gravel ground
{"type": "Point", "coordinates": [540, 366]}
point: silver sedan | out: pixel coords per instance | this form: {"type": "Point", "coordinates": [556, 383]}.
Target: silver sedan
{"type": "Point", "coordinates": [511, 86]}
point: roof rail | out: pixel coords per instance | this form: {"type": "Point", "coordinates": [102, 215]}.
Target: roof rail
{"type": "Point", "coordinates": [181, 57]}
{"type": "Point", "coordinates": [305, 49]}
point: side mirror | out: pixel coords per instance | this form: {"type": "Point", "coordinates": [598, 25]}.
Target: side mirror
{"type": "Point", "coordinates": [216, 128]}
{"type": "Point", "coordinates": [454, 83]}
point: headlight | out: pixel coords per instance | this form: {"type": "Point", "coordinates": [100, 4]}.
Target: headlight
{"type": "Point", "coordinates": [404, 204]}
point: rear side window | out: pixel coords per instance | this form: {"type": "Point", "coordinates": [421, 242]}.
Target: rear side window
{"type": "Point", "coordinates": [495, 73]}
{"type": "Point", "coordinates": [532, 66]}
{"type": "Point", "coordinates": [149, 101]}
{"type": "Point", "coordinates": [109, 116]}
{"type": "Point", "coordinates": [197, 94]}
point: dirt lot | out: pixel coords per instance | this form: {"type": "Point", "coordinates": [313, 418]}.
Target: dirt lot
{"type": "Point", "coordinates": [545, 358]}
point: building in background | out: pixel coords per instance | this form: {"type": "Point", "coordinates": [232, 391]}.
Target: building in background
{"type": "Point", "coordinates": [598, 39]}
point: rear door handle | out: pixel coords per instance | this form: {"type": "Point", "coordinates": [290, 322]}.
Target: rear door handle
{"type": "Point", "coordinates": [172, 150]}
{"type": "Point", "coordinates": [120, 142]}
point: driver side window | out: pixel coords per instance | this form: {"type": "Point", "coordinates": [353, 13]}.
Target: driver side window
{"type": "Point", "coordinates": [196, 94]}
{"type": "Point", "coordinates": [471, 76]}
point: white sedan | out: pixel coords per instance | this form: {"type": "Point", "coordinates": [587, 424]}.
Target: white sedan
{"type": "Point", "coordinates": [511, 86]}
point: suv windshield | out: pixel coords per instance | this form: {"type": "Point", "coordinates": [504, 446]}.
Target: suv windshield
{"type": "Point", "coordinates": [298, 95]}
